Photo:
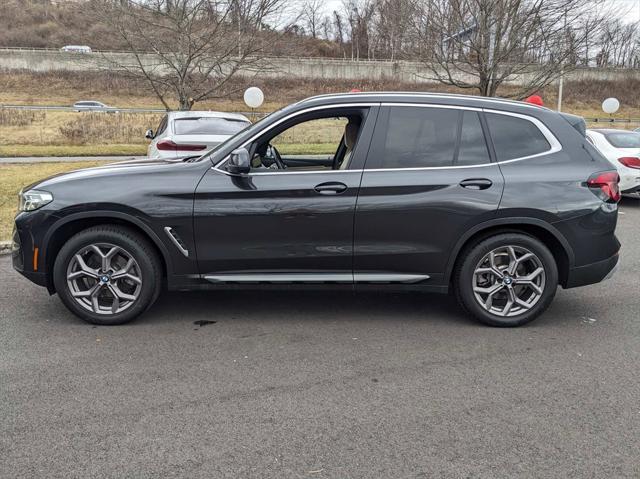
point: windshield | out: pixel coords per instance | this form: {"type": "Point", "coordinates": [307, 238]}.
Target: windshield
{"type": "Point", "coordinates": [624, 139]}
{"type": "Point", "coordinates": [208, 126]}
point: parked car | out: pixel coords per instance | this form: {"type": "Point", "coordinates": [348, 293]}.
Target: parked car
{"type": "Point", "coordinates": [76, 49]}
{"type": "Point", "coordinates": [92, 105]}
{"type": "Point", "coordinates": [182, 133]}
{"type": "Point", "coordinates": [496, 200]}
{"type": "Point", "coordinates": [622, 148]}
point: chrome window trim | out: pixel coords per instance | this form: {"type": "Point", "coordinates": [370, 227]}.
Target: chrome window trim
{"type": "Point", "coordinates": [282, 120]}
{"type": "Point", "coordinates": [555, 145]}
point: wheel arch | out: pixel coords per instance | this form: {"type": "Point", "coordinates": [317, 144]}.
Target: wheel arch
{"type": "Point", "coordinates": [72, 224]}
{"type": "Point", "coordinates": [541, 230]}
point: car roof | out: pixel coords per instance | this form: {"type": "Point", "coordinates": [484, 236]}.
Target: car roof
{"type": "Point", "coordinates": [425, 97]}
{"type": "Point", "coordinates": [207, 114]}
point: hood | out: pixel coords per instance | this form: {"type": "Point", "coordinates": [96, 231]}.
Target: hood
{"type": "Point", "coordinates": [128, 167]}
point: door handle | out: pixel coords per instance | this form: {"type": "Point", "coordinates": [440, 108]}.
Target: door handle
{"type": "Point", "coordinates": [476, 183]}
{"type": "Point", "coordinates": [331, 188]}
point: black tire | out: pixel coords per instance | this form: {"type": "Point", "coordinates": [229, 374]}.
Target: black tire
{"type": "Point", "coordinates": [463, 280]}
{"type": "Point", "coordinates": [147, 265]}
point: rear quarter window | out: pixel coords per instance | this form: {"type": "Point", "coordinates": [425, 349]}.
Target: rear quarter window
{"type": "Point", "coordinates": [515, 137]}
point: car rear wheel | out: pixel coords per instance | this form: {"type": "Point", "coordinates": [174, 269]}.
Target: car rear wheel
{"type": "Point", "coordinates": [506, 280]}
{"type": "Point", "coordinates": [107, 275]}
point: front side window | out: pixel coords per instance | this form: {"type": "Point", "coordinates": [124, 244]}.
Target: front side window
{"type": "Point", "coordinates": [324, 142]}
{"type": "Point", "coordinates": [515, 137]}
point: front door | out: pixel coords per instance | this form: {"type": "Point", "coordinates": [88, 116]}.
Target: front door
{"type": "Point", "coordinates": [428, 179]}
{"type": "Point", "coordinates": [290, 219]}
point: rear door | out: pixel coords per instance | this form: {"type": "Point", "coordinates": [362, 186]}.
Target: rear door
{"type": "Point", "coordinates": [428, 178]}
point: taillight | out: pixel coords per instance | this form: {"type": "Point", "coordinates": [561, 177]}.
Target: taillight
{"type": "Point", "coordinates": [605, 185]}
{"type": "Point", "coordinates": [169, 145]}
{"type": "Point", "coordinates": [630, 162]}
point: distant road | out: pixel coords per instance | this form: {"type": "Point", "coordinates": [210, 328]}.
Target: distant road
{"type": "Point", "coordinates": [70, 108]}
{"type": "Point", "coordinates": [113, 109]}
{"type": "Point", "coordinates": [55, 159]}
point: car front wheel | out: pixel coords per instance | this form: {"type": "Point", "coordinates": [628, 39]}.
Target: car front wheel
{"type": "Point", "coordinates": [107, 275]}
{"type": "Point", "coordinates": [506, 280]}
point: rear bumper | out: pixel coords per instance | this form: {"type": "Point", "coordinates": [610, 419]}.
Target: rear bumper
{"type": "Point", "coordinates": [593, 273]}
{"type": "Point", "coordinates": [631, 190]}
{"type": "Point", "coordinates": [629, 181]}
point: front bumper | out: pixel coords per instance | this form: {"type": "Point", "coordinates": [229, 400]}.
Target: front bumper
{"type": "Point", "coordinates": [593, 273]}
{"type": "Point", "coordinates": [24, 258]}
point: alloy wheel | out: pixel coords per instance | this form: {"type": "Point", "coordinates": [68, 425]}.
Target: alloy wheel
{"type": "Point", "coordinates": [104, 278]}
{"type": "Point", "coordinates": [509, 281]}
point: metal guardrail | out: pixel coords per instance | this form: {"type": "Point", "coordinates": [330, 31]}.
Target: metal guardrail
{"type": "Point", "coordinates": [612, 120]}
{"type": "Point", "coordinates": [112, 110]}
{"type": "Point", "coordinates": [246, 113]}
{"type": "Point", "coordinates": [70, 108]}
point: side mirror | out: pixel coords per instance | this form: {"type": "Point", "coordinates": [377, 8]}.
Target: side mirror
{"type": "Point", "coordinates": [238, 163]}
{"type": "Point", "coordinates": [149, 134]}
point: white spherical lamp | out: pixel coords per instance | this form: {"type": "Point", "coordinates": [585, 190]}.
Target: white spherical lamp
{"type": "Point", "coordinates": [610, 105]}
{"type": "Point", "coordinates": [253, 97]}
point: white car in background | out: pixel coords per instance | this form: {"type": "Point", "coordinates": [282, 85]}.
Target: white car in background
{"type": "Point", "coordinates": [76, 49]}
{"type": "Point", "coordinates": [622, 148]}
{"type": "Point", "coordinates": [184, 133]}
{"type": "Point", "coordinates": [92, 105]}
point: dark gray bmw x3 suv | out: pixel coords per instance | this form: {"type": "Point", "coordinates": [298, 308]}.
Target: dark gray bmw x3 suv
{"type": "Point", "coordinates": [495, 200]}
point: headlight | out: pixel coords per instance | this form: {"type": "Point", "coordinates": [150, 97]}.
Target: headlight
{"type": "Point", "coordinates": [34, 199]}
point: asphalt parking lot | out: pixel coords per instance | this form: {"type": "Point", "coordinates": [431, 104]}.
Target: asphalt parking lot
{"type": "Point", "coordinates": [324, 385]}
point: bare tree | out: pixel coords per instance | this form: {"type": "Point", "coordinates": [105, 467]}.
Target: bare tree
{"type": "Point", "coordinates": [359, 15]}
{"type": "Point", "coordinates": [481, 44]}
{"type": "Point", "coordinates": [312, 14]}
{"type": "Point", "coordinates": [188, 50]}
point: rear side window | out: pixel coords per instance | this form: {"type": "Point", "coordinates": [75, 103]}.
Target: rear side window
{"type": "Point", "coordinates": [473, 147]}
{"type": "Point", "coordinates": [208, 126]}
{"type": "Point", "coordinates": [515, 137]}
{"type": "Point", "coordinates": [424, 137]}
{"type": "Point", "coordinates": [419, 137]}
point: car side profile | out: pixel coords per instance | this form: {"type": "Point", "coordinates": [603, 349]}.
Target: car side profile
{"type": "Point", "coordinates": [182, 133]}
{"type": "Point", "coordinates": [92, 105]}
{"type": "Point", "coordinates": [496, 201]}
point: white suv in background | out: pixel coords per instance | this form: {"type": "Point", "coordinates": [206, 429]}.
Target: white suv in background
{"type": "Point", "coordinates": [622, 148]}
{"type": "Point", "coordinates": [184, 133]}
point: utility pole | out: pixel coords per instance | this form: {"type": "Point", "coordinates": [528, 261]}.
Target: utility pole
{"type": "Point", "coordinates": [561, 83]}
{"type": "Point", "coordinates": [560, 90]}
